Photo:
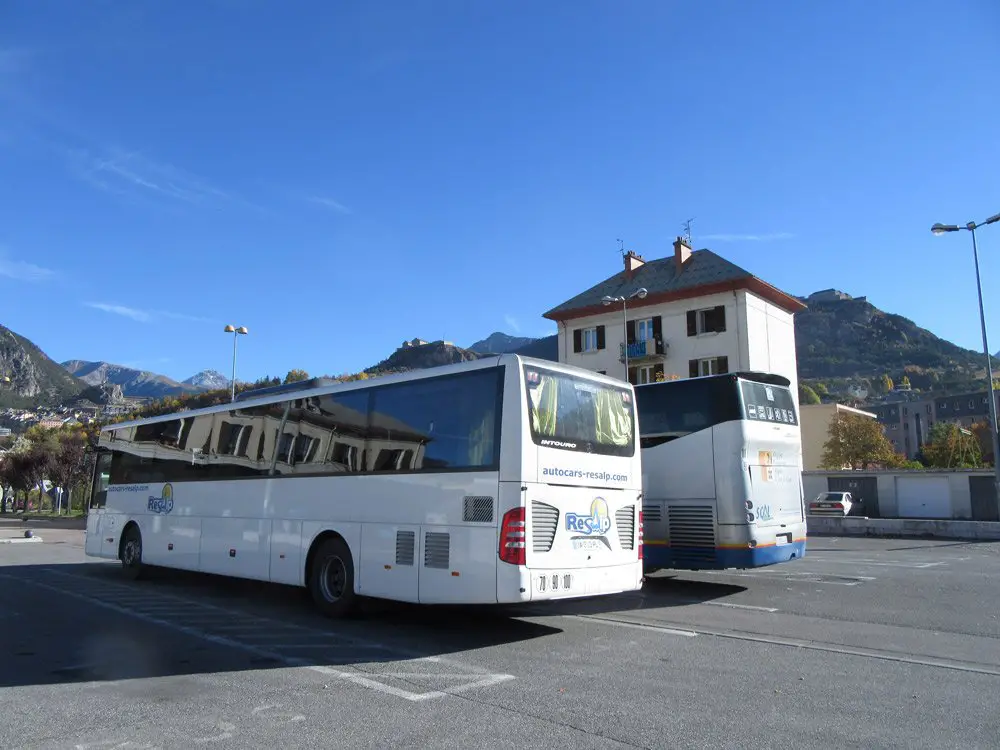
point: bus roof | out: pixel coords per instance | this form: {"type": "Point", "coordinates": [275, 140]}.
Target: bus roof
{"type": "Point", "coordinates": [324, 386]}
{"type": "Point", "coordinates": [769, 378]}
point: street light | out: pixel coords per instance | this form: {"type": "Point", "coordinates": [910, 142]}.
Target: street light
{"type": "Point", "coordinates": [237, 332]}
{"type": "Point", "coordinates": [607, 300]}
{"type": "Point", "coordinates": [939, 229]}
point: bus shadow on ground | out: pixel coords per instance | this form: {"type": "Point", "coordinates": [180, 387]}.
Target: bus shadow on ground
{"type": "Point", "coordinates": [84, 623]}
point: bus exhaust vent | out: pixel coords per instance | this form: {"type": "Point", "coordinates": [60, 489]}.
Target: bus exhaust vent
{"type": "Point", "coordinates": [406, 542]}
{"type": "Point", "coordinates": [625, 521]}
{"type": "Point", "coordinates": [691, 530]}
{"type": "Point", "coordinates": [478, 509]}
{"type": "Point", "coordinates": [544, 520]}
{"type": "Point", "coordinates": [436, 549]}
{"type": "Point", "coordinates": [652, 513]}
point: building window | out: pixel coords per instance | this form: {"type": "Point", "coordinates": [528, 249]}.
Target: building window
{"type": "Point", "coordinates": [928, 408]}
{"type": "Point", "coordinates": [710, 366]}
{"type": "Point", "coordinates": [644, 330]}
{"type": "Point", "coordinates": [644, 374]}
{"type": "Point", "coordinates": [710, 320]}
{"type": "Point", "coordinates": [588, 339]}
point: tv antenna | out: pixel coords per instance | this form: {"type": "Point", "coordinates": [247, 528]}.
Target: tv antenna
{"type": "Point", "coordinates": [687, 231]}
{"type": "Point", "coordinates": [621, 246]}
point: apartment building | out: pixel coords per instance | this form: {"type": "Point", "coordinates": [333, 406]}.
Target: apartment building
{"type": "Point", "coordinates": [700, 315]}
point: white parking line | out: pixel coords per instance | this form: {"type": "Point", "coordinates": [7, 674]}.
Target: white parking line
{"type": "Point", "coordinates": [105, 592]}
{"type": "Point", "coordinates": [740, 606]}
{"type": "Point", "coordinates": [860, 561]}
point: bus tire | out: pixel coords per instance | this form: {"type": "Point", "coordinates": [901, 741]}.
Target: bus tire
{"type": "Point", "coordinates": [331, 579]}
{"type": "Point", "coordinates": [131, 552]}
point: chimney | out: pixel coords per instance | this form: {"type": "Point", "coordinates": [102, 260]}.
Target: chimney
{"type": "Point", "coordinates": [632, 262]}
{"type": "Point", "coordinates": [682, 251]}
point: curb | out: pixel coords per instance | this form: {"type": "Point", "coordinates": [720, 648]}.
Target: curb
{"type": "Point", "coordinates": [903, 528]}
{"type": "Point", "coordinates": [21, 540]}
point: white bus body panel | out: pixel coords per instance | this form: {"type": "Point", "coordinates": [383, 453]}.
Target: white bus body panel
{"type": "Point", "coordinates": [262, 528]}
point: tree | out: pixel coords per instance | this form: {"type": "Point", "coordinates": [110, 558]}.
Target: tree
{"type": "Point", "coordinates": [70, 463]}
{"type": "Point", "coordinates": [296, 376]}
{"type": "Point", "coordinates": [886, 383]}
{"type": "Point", "coordinates": [807, 395]}
{"type": "Point", "coordinates": [951, 446]}
{"type": "Point", "coordinates": [821, 389]}
{"type": "Point", "coordinates": [905, 382]}
{"type": "Point", "coordinates": [982, 432]}
{"type": "Point", "coordinates": [858, 442]}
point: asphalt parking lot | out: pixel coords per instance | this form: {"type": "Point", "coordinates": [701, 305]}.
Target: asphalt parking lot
{"type": "Point", "coordinates": [864, 643]}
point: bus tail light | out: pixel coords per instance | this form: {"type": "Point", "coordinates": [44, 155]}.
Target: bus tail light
{"type": "Point", "coordinates": [512, 537]}
{"type": "Point", "coordinates": [640, 535]}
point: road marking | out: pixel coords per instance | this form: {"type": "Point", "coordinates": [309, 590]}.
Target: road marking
{"type": "Point", "coordinates": [21, 540]}
{"type": "Point", "coordinates": [634, 625]}
{"type": "Point", "coordinates": [477, 679]}
{"type": "Point", "coordinates": [858, 561]}
{"type": "Point", "coordinates": [740, 606]}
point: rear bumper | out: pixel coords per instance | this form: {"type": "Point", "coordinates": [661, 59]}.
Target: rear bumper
{"type": "Point", "coordinates": [688, 558]}
{"type": "Point", "coordinates": [542, 584]}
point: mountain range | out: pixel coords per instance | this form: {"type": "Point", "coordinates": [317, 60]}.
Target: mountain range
{"type": "Point", "coordinates": [838, 342]}
{"type": "Point", "coordinates": [143, 383]}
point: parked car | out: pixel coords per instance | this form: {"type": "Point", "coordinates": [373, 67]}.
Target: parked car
{"type": "Point", "coordinates": [833, 504]}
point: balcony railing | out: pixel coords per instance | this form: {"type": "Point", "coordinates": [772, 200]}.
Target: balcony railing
{"type": "Point", "coordinates": [641, 350]}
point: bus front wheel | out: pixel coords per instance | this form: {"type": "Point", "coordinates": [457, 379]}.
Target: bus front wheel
{"type": "Point", "coordinates": [331, 579]}
{"type": "Point", "coordinates": [131, 552]}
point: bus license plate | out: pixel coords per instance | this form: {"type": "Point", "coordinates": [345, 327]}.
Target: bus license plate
{"type": "Point", "coordinates": [586, 544]}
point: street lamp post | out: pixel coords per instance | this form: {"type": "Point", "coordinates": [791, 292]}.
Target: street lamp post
{"type": "Point", "coordinates": [237, 332]}
{"type": "Point", "coordinates": [939, 229]}
{"type": "Point", "coordinates": [637, 294]}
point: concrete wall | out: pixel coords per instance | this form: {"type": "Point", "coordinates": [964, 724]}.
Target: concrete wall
{"type": "Point", "coordinates": [960, 497]}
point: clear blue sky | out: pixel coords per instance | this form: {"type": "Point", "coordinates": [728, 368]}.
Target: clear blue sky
{"type": "Point", "coordinates": [342, 176]}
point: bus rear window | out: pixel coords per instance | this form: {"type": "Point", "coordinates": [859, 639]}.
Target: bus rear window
{"type": "Point", "coordinates": [578, 414]}
{"type": "Point", "coordinates": [768, 403]}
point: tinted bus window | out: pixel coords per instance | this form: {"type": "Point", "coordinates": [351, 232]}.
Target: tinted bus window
{"type": "Point", "coordinates": [680, 407]}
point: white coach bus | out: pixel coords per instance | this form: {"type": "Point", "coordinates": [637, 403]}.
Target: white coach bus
{"type": "Point", "coordinates": [722, 466]}
{"type": "Point", "coordinates": [495, 481]}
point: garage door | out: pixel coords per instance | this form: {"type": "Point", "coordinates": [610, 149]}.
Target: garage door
{"type": "Point", "coordinates": [923, 497]}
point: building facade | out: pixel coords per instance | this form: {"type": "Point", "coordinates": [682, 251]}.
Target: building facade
{"type": "Point", "coordinates": [908, 420]}
{"type": "Point", "coordinates": [701, 315]}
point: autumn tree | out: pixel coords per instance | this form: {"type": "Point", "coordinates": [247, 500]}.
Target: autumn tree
{"type": "Point", "coordinates": [951, 446]}
{"type": "Point", "coordinates": [858, 442]}
{"type": "Point", "coordinates": [296, 376]}
{"type": "Point", "coordinates": [821, 389]}
{"type": "Point", "coordinates": [70, 465]}
{"type": "Point", "coordinates": [905, 382]}
{"type": "Point", "coordinates": [807, 395]}
{"type": "Point", "coordinates": [982, 432]}
{"type": "Point", "coordinates": [885, 382]}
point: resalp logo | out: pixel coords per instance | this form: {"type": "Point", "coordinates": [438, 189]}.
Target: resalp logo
{"type": "Point", "coordinates": [598, 522]}
{"type": "Point", "coordinates": [164, 503]}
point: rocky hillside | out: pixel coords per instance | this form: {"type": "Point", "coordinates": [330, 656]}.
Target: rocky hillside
{"type": "Point", "coordinates": [500, 343]}
{"type": "Point", "coordinates": [34, 378]}
{"type": "Point", "coordinates": [434, 354]}
{"type": "Point", "coordinates": [136, 383]}
{"type": "Point", "coordinates": [852, 338]}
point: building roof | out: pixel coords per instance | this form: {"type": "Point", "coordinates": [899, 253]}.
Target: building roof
{"type": "Point", "coordinates": [704, 273]}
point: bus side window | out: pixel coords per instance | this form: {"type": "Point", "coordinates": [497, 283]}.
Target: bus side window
{"type": "Point", "coordinates": [102, 478]}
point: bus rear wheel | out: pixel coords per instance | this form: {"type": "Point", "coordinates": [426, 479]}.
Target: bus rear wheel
{"type": "Point", "coordinates": [331, 579]}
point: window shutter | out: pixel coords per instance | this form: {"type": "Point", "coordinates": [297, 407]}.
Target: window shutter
{"type": "Point", "coordinates": [632, 375]}
{"type": "Point", "coordinates": [722, 363]}
{"type": "Point", "coordinates": [630, 331]}
{"type": "Point", "coordinates": [693, 368]}
{"type": "Point", "coordinates": [692, 323]}
{"type": "Point", "coordinates": [577, 340]}
{"type": "Point", "coordinates": [720, 318]}
{"type": "Point", "coordinates": [658, 333]}
{"type": "Point", "coordinates": [600, 337]}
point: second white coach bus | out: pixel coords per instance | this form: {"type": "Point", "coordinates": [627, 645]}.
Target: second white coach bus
{"type": "Point", "coordinates": [722, 472]}
{"type": "Point", "coordinates": [496, 481]}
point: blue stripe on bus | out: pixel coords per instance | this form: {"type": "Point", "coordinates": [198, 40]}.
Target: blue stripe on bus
{"type": "Point", "coordinates": [710, 558]}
